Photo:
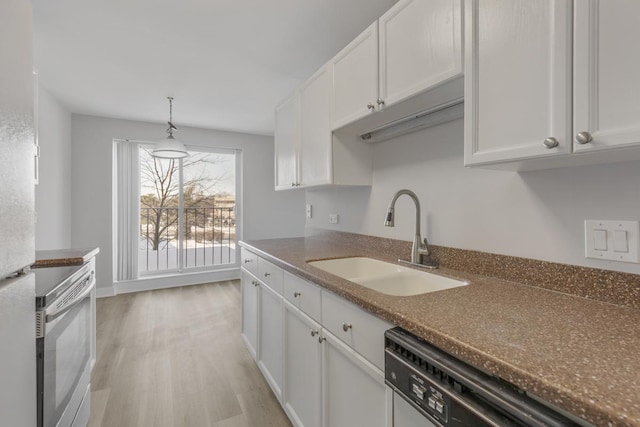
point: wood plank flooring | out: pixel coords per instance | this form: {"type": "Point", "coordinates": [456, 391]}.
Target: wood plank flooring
{"type": "Point", "coordinates": [174, 357]}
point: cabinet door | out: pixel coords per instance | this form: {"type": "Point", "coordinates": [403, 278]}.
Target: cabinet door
{"type": "Point", "coordinates": [315, 130]}
{"type": "Point", "coordinates": [607, 66]}
{"type": "Point", "coordinates": [270, 338]}
{"type": "Point", "coordinates": [355, 78]}
{"type": "Point", "coordinates": [249, 289]}
{"type": "Point", "coordinates": [517, 79]}
{"type": "Point", "coordinates": [405, 415]}
{"type": "Point", "coordinates": [353, 389]}
{"type": "Point", "coordinates": [420, 46]}
{"type": "Point", "coordinates": [286, 143]}
{"type": "Point", "coordinates": [303, 363]}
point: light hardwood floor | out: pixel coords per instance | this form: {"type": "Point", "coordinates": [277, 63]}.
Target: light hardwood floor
{"type": "Point", "coordinates": [174, 357]}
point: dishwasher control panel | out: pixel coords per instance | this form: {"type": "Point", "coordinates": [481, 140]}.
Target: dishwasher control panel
{"type": "Point", "coordinates": [418, 388]}
{"type": "Point", "coordinates": [450, 393]}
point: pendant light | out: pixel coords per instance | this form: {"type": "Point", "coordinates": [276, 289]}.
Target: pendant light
{"type": "Point", "coordinates": [170, 148]}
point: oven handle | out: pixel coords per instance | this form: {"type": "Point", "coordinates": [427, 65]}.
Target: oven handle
{"type": "Point", "coordinates": [79, 298]}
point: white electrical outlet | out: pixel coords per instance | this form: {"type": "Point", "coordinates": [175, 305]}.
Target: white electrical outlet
{"type": "Point", "coordinates": [333, 218]}
{"type": "Point", "coordinates": [613, 240]}
{"type": "Point", "coordinates": [309, 211]}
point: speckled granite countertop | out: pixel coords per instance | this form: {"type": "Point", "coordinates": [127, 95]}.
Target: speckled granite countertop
{"type": "Point", "coordinates": [64, 257]}
{"type": "Point", "coordinates": [578, 354]}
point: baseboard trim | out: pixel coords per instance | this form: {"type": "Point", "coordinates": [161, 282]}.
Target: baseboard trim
{"type": "Point", "coordinates": [104, 292]}
{"type": "Point", "coordinates": [174, 281]}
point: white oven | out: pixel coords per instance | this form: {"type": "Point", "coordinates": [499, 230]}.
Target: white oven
{"type": "Point", "coordinates": [65, 322]}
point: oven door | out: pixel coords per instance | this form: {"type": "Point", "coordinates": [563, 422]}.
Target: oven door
{"type": "Point", "coordinates": [64, 357]}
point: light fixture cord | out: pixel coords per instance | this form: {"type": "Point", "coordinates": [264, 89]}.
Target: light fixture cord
{"type": "Point", "coordinates": [171, 127]}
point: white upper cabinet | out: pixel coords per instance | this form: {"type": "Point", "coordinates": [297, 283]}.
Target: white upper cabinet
{"type": "Point", "coordinates": [412, 49]}
{"type": "Point", "coordinates": [355, 78]}
{"type": "Point", "coordinates": [517, 79]}
{"type": "Point", "coordinates": [551, 83]}
{"type": "Point", "coordinates": [607, 66]}
{"type": "Point", "coordinates": [420, 47]}
{"type": "Point", "coordinates": [286, 143]}
{"type": "Point", "coordinates": [315, 157]}
{"type": "Point", "coordinates": [307, 154]}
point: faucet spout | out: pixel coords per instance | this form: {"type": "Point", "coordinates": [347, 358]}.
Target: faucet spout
{"type": "Point", "coordinates": [419, 249]}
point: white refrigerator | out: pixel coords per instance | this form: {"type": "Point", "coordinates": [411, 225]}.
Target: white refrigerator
{"type": "Point", "coordinates": [17, 289]}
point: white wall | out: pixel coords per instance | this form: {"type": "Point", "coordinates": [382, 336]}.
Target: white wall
{"type": "Point", "coordinates": [267, 214]}
{"type": "Point", "coordinates": [536, 215]}
{"type": "Point", "coordinates": [53, 193]}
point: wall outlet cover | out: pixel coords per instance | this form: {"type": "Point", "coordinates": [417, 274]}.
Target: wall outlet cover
{"type": "Point", "coordinates": [612, 240]}
{"type": "Point", "coordinates": [309, 210]}
{"type": "Point", "coordinates": [333, 218]}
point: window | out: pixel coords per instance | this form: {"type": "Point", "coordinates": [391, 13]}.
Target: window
{"type": "Point", "coordinates": [175, 215]}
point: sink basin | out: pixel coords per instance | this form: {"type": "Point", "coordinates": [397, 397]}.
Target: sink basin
{"type": "Point", "coordinates": [385, 277]}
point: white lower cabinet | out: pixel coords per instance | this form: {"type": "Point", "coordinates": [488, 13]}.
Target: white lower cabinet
{"type": "Point", "coordinates": [354, 391]}
{"type": "Point", "coordinates": [302, 372]}
{"type": "Point", "coordinates": [405, 415]}
{"type": "Point", "coordinates": [321, 380]}
{"type": "Point", "coordinates": [270, 337]}
{"type": "Point", "coordinates": [249, 290]}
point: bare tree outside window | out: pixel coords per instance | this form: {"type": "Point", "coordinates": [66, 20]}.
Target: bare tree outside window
{"type": "Point", "coordinates": [208, 217]}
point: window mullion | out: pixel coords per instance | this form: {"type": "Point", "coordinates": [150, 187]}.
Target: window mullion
{"type": "Point", "coordinates": [181, 265]}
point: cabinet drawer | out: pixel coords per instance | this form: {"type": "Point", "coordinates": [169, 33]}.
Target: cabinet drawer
{"type": "Point", "coordinates": [302, 294]}
{"type": "Point", "coordinates": [364, 332]}
{"type": "Point", "coordinates": [249, 261]}
{"type": "Point", "coordinates": [270, 275]}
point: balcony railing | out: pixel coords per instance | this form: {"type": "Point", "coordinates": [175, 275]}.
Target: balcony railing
{"type": "Point", "coordinates": [209, 238]}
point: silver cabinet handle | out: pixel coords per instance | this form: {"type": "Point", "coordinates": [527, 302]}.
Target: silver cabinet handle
{"type": "Point", "coordinates": [583, 138]}
{"type": "Point", "coordinates": [255, 282]}
{"type": "Point", "coordinates": [293, 184]}
{"type": "Point", "coordinates": [296, 294]}
{"type": "Point", "coordinates": [267, 274]}
{"type": "Point", "coordinates": [370, 106]}
{"type": "Point", "coordinates": [321, 339]}
{"type": "Point", "coordinates": [380, 101]}
{"type": "Point", "coordinates": [314, 332]}
{"type": "Point", "coordinates": [247, 261]}
{"type": "Point", "coordinates": [346, 326]}
{"type": "Point", "coordinates": [551, 142]}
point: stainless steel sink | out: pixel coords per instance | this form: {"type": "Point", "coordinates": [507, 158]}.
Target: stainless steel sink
{"type": "Point", "coordinates": [386, 277]}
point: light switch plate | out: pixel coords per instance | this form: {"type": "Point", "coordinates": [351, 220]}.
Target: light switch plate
{"type": "Point", "coordinates": [615, 247]}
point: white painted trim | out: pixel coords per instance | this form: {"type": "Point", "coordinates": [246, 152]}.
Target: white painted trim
{"type": "Point", "coordinates": [106, 291]}
{"type": "Point", "coordinates": [173, 281]}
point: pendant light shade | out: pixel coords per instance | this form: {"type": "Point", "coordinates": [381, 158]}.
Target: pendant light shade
{"type": "Point", "coordinates": [170, 147]}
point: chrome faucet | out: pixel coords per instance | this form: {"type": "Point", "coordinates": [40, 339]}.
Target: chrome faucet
{"type": "Point", "coordinates": [419, 249]}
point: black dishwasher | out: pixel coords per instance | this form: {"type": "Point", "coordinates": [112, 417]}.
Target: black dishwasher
{"type": "Point", "coordinates": [449, 392]}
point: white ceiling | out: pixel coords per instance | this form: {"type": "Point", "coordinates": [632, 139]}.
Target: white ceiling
{"type": "Point", "coordinates": [226, 62]}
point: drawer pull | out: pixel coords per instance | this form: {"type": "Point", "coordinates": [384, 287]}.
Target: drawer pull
{"type": "Point", "coordinates": [314, 332]}
{"type": "Point", "coordinates": [296, 294]}
{"type": "Point", "coordinates": [246, 261]}
{"type": "Point", "coordinates": [267, 274]}
{"type": "Point", "coordinates": [321, 339]}
{"type": "Point", "coordinates": [255, 282]}
{"type": "Point", "coordinates": [346, 326]}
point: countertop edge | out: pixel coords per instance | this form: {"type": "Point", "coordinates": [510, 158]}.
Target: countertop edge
{"type": "Point", "coordinates": [64, 257]}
